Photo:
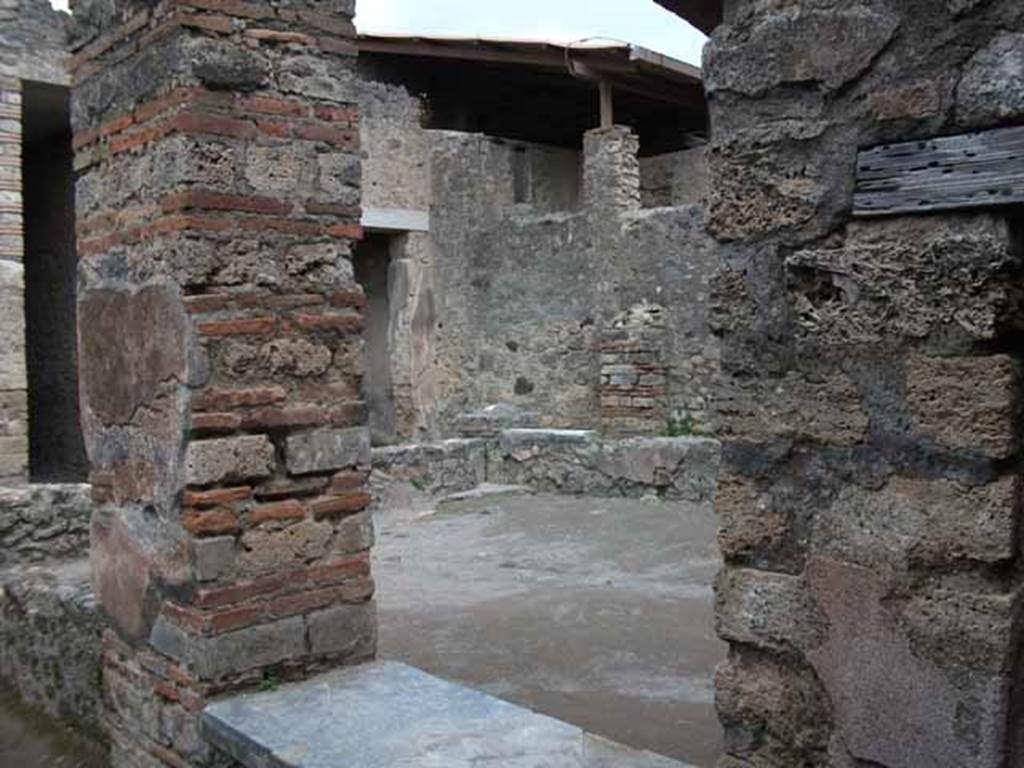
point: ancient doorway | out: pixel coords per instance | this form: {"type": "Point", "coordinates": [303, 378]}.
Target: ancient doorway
{"type": "Point", "coordinates": [372, 265]}
{"type": "Point", "coordinates": [56, 450]}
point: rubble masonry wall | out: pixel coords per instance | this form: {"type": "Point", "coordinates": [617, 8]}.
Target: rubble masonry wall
{"type": "Point", "coordinates": [869, 413]}
{"type": "Point", "coordinates": [505, 299]}
{"type": "Point", "coordinates": [225, 428]}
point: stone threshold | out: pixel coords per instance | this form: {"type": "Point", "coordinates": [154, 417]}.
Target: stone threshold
{"type": "Point", "coordinates": [387, 714]}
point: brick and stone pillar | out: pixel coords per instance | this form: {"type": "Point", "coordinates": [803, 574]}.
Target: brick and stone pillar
{"type": "Point", "coordinates": [219, 326]}
{"type": "Point", "coordinates": [634, 376]}
{"type": "Point", "coordinates": [13, 375]}
{"type": "Point", "coordinates": [629, 344]}
{"type": "Point", "coordinates": [611, 171]}
{"type": "Point", "coordinates": [869, 504]}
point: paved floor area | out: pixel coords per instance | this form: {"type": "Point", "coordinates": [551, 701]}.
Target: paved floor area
{"type": "Point", "coordinates": [28, 740]}
{"type": "Point", "coordinates": [594, 611]}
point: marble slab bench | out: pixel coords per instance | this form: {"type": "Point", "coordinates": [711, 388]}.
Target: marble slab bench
{"type": "Point", "coordinates": [390, 715]}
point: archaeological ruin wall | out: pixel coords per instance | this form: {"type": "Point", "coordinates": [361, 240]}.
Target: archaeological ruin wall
{"type": "Point", "coordinates": [38, 367]}
{"type": "Point", "coordinates": [869, 502]}
{"type": "Point", "coordinates": [525, 288]}
{"type": "Point", "coordinates": [49, 628]}
{"type": "Point", "coordinates": [674, 178]}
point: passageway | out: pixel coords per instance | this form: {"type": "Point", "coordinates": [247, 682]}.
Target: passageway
{"type": "Point", "coordinates": [372, 264]}
{"type": "Point", "coordinates": [56, 449]}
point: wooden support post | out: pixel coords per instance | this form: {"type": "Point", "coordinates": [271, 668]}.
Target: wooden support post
{"type": "Point", "coordinates": [607, 104]}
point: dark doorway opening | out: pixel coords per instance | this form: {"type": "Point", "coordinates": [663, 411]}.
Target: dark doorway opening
{"type": "Point", "coordinates": [56, 448]}
{"type": "Point", "coordinates": [372, 267]}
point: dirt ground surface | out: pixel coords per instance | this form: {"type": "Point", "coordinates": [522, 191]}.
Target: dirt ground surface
{"type": "Point", "coordinates": [592, 610]}
{"type": "Point", "coordinates": [30, 740]}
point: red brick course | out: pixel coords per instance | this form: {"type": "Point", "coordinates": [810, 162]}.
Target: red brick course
{"type": "Point", "coordinates": [217, 497]}
{"type": "Point", "coordinates": [247, 326]}
{"type": "Point", "coordinates": [285, 510]}
{"type": "Point", "coordinates": [227, 398]}
{"type": "Point", "coordinates": [329, 506]}
{"type": "Point", "coordinates": [210, 523]}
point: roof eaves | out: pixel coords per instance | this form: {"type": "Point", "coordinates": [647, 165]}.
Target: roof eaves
{"type": "Point", "coordinates": [605, 54]}
{"type": "Point", "coordinates": [705, 15]}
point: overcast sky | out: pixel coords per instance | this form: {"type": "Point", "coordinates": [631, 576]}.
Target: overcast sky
{"type": "Point", "coordinates": [645, 24]}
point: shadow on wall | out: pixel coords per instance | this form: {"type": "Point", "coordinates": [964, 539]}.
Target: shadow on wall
{"type": "Point", "coordinates": [372, 262]}
{"type": "Point", "coordinates": [56, 449]}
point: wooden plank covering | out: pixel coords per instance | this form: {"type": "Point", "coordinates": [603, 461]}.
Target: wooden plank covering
{"type": "Point", "coordinates": [967, 171]}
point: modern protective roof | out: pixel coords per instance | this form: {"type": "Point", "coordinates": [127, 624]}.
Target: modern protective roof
{"type": "Point", "coordinates": [705, 15]}
{"type": "Point", "coordinates": [627, 66]}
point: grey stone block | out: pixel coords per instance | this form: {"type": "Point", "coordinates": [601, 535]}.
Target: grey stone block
{"type": "Point", "coordinates": [348, 629]}
{"type": "Point", "coordinates": [213, 558]}
{"type": "Point", "coordinates": [229, 459]}
{"type": "Point", "coordinates": [251, 648]}
{"type": "Point", "coordinates": [216, 657]}
{"type": "Point", "coordinates": [327, 450]}
{"type": "Point", "coordinates": [354, 534]}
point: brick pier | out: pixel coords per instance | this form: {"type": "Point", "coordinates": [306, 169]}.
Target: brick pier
{"type": "Point", "coordinates": [220, 354]}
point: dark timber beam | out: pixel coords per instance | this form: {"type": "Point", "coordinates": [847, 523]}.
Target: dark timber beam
{"type": "Point", "coordinates": [967, 171]}
{"type": "Point", "coordinates": [607, 104]}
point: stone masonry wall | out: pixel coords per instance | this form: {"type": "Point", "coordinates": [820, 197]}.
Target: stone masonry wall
{"type": "Point", "coordinates": [428, 355]}
{"type": "Point", "coordinates": [556, 461]}
{"type": "Point", "coordinates": [50, 632]}
{"type": "Point", "coordinates": [396, 169]}
{"type": "Point", "coordinates": [633, 388]}
{"type": "Point", "coordinates": [522, 298]}
{"type": "Point", "coordinates": [219, 325]}
{"type": "Point", "coordinates": [504, 299]}
{"type": "Point", "coordinates": [49, 626]}
{"type": "Point", "coordinates": [507, 291]}
{"type": "Point", "coordinates": [676, 178]}
{"type": "Point", "coordinates": [581, 462]}
{"type": "Point", "coordinates": [448, 466]}
{"type": "Point", "coordinates": [869, 500]}
{"type": "Point", "coordinates": [44, 522]}
{"type": "Point", "coordinates": [32, 40]}
{"type": "Point", "coordinates": [13, 375]}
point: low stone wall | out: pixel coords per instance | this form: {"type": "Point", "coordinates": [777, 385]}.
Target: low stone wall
{"type": "Point", "coordinates": [448, 466]}
{"type": "Point", "coordinates": [49, 622]}
{"type": "Point", "coordinates": [50, 641]}
{"type": "Point", "coordinates": [559, 461]}
{"type": "Point", "coordinates": [579, 462]}
{"type": "Point", "coordinates": [44, 522]}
